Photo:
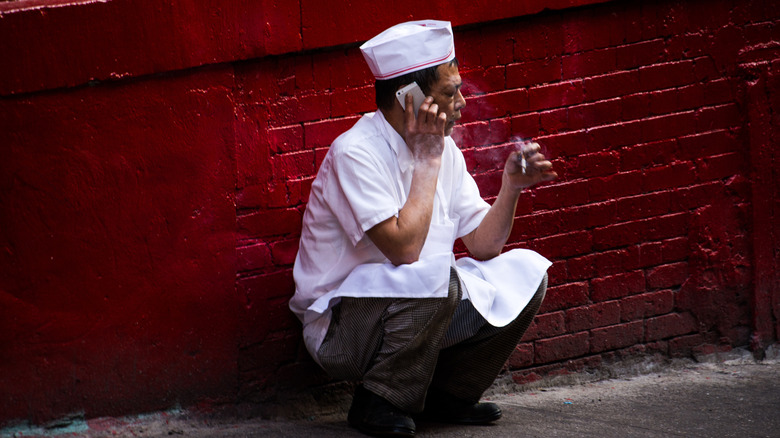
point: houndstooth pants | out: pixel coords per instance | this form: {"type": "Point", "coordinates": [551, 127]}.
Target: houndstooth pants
{"type": "Point", "coordinates": [401, 348]}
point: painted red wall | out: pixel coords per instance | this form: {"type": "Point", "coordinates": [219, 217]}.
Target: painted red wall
{"type": "Point", "coordinates": [118, 259]}
{"type": "Point", "coordinates": [156, 160]}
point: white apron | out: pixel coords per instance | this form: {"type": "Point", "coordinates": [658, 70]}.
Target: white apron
{"type": "Point", "coordinates": [428, 277]}
{"type": "Point", "coordinates": [498, 288]}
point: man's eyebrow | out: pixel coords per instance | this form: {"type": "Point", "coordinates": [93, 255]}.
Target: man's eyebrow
{"type": "Point", "coordinates": [457, 86]}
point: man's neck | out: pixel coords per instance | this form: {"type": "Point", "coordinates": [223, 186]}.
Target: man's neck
{"type": "Point", "coordinates": [395, 119]}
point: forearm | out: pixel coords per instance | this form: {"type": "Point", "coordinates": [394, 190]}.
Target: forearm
{"type": "Point", "coordinates": [492, 233]}
{"type": "Point", "coordinates": [402, 238]}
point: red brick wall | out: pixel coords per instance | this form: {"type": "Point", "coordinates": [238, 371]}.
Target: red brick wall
{"type": "Point", "coordinates": [157, 160]}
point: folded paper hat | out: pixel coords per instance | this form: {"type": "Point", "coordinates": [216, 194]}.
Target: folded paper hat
{"type": "Point", "coordinates": [409, 47]}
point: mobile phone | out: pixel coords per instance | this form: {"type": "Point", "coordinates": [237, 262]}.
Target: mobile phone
{"type": "Point", "coordinates": [417, 94]}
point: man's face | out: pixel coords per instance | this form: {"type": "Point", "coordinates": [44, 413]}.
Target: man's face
{"type": "Point", "coordinates": [446, 94]}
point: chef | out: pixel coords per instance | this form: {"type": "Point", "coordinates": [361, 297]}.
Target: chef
{"type": "Point", "coordinates": [382, 299]}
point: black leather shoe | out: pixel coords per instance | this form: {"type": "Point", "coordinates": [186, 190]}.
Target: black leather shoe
{"type": "Point", "coordinates": [445, 408]}
{"type": "Point", "coordinates": [373, 415]}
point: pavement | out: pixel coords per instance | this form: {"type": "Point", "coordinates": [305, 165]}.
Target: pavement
{"type": "Point", "coordinates": [721, 395]}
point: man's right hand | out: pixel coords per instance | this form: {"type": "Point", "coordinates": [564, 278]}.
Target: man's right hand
{"type": "Point", "coordinates": [424, 134]}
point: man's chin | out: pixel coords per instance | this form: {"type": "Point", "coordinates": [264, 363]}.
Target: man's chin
{"type": "Point", "coordinates": [448, 129]}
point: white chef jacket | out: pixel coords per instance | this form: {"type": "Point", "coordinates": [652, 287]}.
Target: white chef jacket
{"type": "Point", "coordinates": [364, 180]}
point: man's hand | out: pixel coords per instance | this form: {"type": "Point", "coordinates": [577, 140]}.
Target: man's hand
{"type": "Point", "coordinates": [527, 167]}
{"type": "Point", "coordinates": [424, 134]}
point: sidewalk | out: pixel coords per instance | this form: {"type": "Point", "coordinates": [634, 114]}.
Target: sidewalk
{"type": "Point", "coordinates": [732, 396]}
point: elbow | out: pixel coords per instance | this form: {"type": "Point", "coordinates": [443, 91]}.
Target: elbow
{"type": "Point", "coordinates": [405, 256]}
{"type": "Point", "coordinates": [401, 261]}
{"type": "Point", "coordinates": [482, 248]}
{"type": "Point", "coordinates": [486, 254]}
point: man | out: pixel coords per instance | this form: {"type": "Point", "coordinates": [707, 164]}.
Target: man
{"type": "Point", "coordinates": [380, 294]}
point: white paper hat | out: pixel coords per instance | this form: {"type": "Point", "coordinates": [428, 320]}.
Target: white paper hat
{"type": "Point", "coordinates": [409, 47]}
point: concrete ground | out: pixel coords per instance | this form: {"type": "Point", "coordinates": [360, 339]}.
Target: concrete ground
{"type": "Point", "coordinates": [728, 395]}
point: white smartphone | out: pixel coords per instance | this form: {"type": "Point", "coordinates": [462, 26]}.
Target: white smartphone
{"type": "Point", "coordinates": [416, 92]}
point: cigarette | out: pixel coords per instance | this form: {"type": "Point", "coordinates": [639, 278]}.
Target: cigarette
{"type": "Point", "coordinates": [521, 147]}
{"type": "Point", "coordinates": [523, 163]}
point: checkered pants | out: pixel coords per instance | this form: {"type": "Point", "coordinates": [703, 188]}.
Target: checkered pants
{"type": "Point", "coordinates": [400, 348]}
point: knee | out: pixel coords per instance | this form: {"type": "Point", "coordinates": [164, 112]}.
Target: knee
{"type": "Point", "coordinates": [541, 292]}
{"type": "Point", "coordinates": [454, 293]}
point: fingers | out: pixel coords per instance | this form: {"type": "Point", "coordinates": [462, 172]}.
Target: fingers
{"type": "Point", "coordinates": [540, 163]}
{"type": "Point", "coordinates": [530, 149]}
{"type": "Point", "coordinates": [441, 122]}
{"type": "Point", "coordinates": [427, 112]}
{"type": "Point", "coordinates": [428, 119]}
{"type": "Point", "coordinates": [535, 158]}
{"type": "Point", "coordinates": [543, 168]}
{"type": "Point", "coordinates": [409, 111]}
{"type": "Point", "coordinates": [537, 163]}
{"type": "Point", "coordinates": [532, 153]}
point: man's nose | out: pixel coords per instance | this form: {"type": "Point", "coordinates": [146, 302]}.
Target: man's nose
{"type": "Point", "coordinates": [460, 102]}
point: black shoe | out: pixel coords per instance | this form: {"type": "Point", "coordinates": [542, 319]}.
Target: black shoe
{"type": "Point", "coordinates": [445, 408]}
{"type": "Point", "coordinates": [373, 415]}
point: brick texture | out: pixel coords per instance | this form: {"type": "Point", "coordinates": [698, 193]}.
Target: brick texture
{"type": "Point", "coordinates": [660, 118]}
{"type": "Point", "coordinates": [641, 118]}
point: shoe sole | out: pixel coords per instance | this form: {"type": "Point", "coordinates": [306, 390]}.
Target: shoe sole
{"type": "Point", "coordinates": [482, 420]}
{"type": "Point", "coordinates": [397, 432]}
{"type": "Point", "coordinates": [469, 421]}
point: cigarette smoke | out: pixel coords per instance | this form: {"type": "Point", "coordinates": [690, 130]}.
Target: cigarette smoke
{"type": "Point", "coordinates": [491, 146]}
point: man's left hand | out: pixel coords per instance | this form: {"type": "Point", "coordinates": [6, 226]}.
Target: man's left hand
{"type": "Point", "coordinates": [537, 168]}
